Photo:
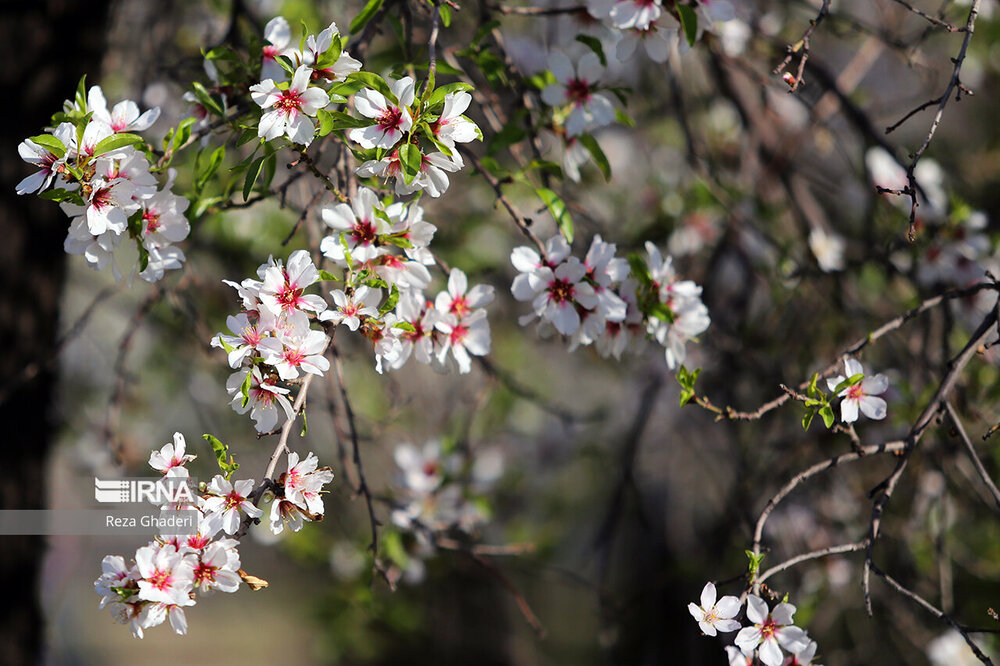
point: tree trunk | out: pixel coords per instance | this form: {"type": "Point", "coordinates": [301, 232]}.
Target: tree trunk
{"type": "Point", "coordinates": [49, 45]}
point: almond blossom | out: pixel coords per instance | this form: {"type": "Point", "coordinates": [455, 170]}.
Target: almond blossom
{"type": "Point", "coordinates": [278, 35]}
{"type": "Point", "coordinates": [769, 631]}
{"type": "Point", "coordinates": [299, 348]}
{"type": "Point", "coordinates": [288, 110]}
{"type": "Point", "coordinates": [392, 118]}
{"type": "Point", "coordinates": [350, 308]}
{"type": "Point", "coordinates": [166, 575]}
{"type": "Point", "coordinates": [577, 87]}
{"type": "Point", "coordinates": [171, 455]}
{"type": "Point", "coordinates": [452, 127]}
{"type": "Point", "coordinates": [713, 616]}
{"type": "Point", "coordinates": [228, 500]}
{"type": "Point", "coordinates": [281, 290]}
{"type": "Point", "coordinates": [360, 224]}
{"type": "Point", "coordinates": [124, 117]}
{"type": "Point", "coordinates": [265, 397]}
{"type": "Point", "coordinates": [862, 395]}
{"type": "Point", "coordinates": [48, 163]}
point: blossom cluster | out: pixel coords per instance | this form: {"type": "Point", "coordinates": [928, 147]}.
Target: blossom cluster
{"type": "Point", "coordinates": [387, 248]}
{"type": "Point", "coordinates": [273, 342]}
{"type": "Point", "coordinates": [390, 146]}
{"type": "Point", "coordinates": [643, 22]}
{"type": "Point", "coordinates": [438, 495]}
{"type": "Point", "coordinates": [607, 301]}
{"type": "Point", "coordinates": [168, 573]}
{"type": "Point", "coordinates": [289, 106]}
{"type": "Point", "coordinates": [100, 174]}
{"type": "Point", "coordinates": [393, 119]}
{"type": "Point", "coordinates": [770, 631]}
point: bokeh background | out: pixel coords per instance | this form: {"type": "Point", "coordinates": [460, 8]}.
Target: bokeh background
{"type": "Point", "coordinates": [630, 503]}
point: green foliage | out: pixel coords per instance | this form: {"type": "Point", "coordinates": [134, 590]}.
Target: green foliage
{"type": "Point", "coordinates": [686, 379]}
{"type": "Point", "coordinates": [557, 208]}
{"type": "Point", "coordinates": [226, 462]}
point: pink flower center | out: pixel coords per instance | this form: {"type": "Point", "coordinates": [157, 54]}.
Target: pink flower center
{"type": "Point", "coordinates": [204, 573]}
{"type": "Point", "coordinates": [197, 541]}
{"type": "Point", "coordinates": [430, 467]}
{"type": "Point", "coordinates": [152, 221]}
{"type": "Point", "coordinates": [293, 357]}
{"type": "Point", "coordinates": [561, 291]}
{"type": "Point", "coordinates": [459, 307]}
{"type": "Point", "coordinates": [768, 628]}
{"type": "Point", "coordinates": [363, 232]}
{"type": "Point", "coordinates": [102, 198]}
{"type": "Point", "coordinates": [390, 120]}
{"type": "Point", "coordinates": [578, 91]}
{"type": "Point", "coordinates": [289, 296]}
{"type": "Point", "coordinates": [161, 579]}
{"type": "Point", "coordinates": [289, 103]}
{"type": "Point", "coordinates": [855, 392]}
{"type": "Point", "coordinates": [233, 500]}
{"type": "Point", "coordinates": [270, 52]}
{"type": "Point", "coordinates": [458, 334]}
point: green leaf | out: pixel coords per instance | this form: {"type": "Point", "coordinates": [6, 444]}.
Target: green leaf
{"type": "Point", "coordinates": [330, 121]}
{"type": "Point", "coordinates": [61, 195]}
{"type": "Point", "coordinates": [81, 94]}
{"type": "Point", "coordinates": [595, 45]}
{"type": "Point", "coordinates": [252, 173]}
{"type": "Point", "coordinates": [600, 159]}
{"type": "Point", "coordinates": [181, 135]}
{"type": "Point", "coordinates": [850, 381]}
{"type": "Point", "coordinates": [405, 326]}
{"type": "Point", "coordinates": [807, 418]}
{"type": "Point", "coordinates": [557, 208]}
{"type": "Point", "coordinates": [327, 276]}
{"type": "Point", "coordinates": [390, 303]}
{"type": "Point", "coordinates": [623, 118]}
{"type": "Point", "coordinates": [827, 413]}
{"type": "Point", "coordinates": [206, 99]}
{"type": "Point", "coordinates": [116, 141]}
{"type": "Point", "coordinates": [245, 387]}
{"type": "Point", "coordinates": [640, 271]}
{"type": "Point", "coordinates": [445, 15]}
{"type": "Point", "coordinates": [226, 462]}
{"type": "Point", "coordinates": [210, 168]}
{"type": "Point", "coordinates": [411, 160]}
{"type": "Point", "coordinates": [366, 15]}
{"type": "Point", "coordinates": [50, 143]}
{"type": "Point", "coordinates": [437, 97]}
{"type": "Point", "coordinates": [375, 82]}
{"type": "Point", "coordinates": [689, 22]}
{"type": "Point", "coordinates": [305, 425]}
{"type": "Point", "coordinates": [754, 565]}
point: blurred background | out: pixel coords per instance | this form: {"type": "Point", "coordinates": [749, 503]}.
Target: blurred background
{"type": "Point", "coordinates": [629, 502]}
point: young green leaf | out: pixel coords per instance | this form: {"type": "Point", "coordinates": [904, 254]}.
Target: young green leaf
{"type": "Point", "coordinates": [50, 143]}
{"type": "Point", "coordinates": [557, 208]}
{"type": "Point", "coordinates": [411, 160]}
{"type": "Point", "coordinates": [689, 22]}
{"type": "Point", "coordinates": [594, 44]}
{"type": "Point", "coordinates": [600, 159]}
{"type": "Point", "coordinates": [116, 141]}
{"type": "Point", "coordinates": [366, 15]}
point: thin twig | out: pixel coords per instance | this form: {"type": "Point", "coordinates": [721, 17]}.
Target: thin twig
{"type": "Point", "coordinates": [934, 610]}
{"type": "Point", "coordinates": [803, 46]}
{"type": "Point", "coordinates": [888, 486]}
{"type": "Point", "coordinates": [971, 450]}
{"type": "Point", "coordinates": [816, 554]}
